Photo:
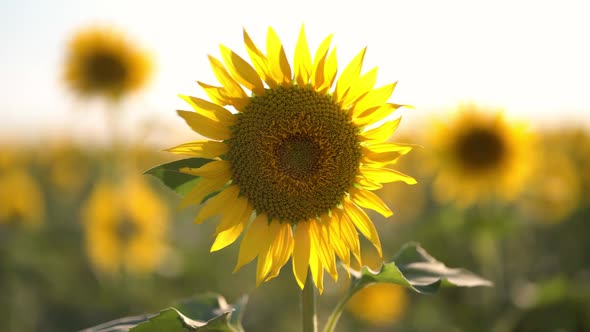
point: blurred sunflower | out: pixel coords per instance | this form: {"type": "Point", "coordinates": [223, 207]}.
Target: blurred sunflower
{"type": "Point", "coordinates": [479, 156]}
{"type": "Point", "coordinates": [102, 62]}
{"type": "Point", "coordinates": [67, 166]}
{"type": "Point", "coordinates": [125, 227]}
{"type": "Point", "coordinates": [302, 157]}
{"type": "Point", "coordinates": [378, 304]}
{"type": "Point", "coordinates": [21, 198]}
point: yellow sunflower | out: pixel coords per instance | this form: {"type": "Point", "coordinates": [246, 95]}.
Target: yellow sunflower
{"type": "Point", "coordinates": [125, 227]}
{"type": "Point", "coordinates": [102, 62]}
{"type": "Point", "coordinates": [479, 156]}
{"type": "Point", "coordinates": [299, 155]}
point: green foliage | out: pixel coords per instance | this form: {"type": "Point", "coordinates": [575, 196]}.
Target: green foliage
{"type": "Point", "coordinates": [210, 313]}
{"type": "Point", "coordinates": [416, 269]}
{"type": "Point", "coordinates": [171, 176]}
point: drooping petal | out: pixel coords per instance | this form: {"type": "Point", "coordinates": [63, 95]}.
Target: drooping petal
{"type": "Point", "coordinates": [385, 175]}
{"type": "Point", "coordinates": [317, 271]}
{"type": "Point", "coordinates": [242, 71]}
{"type": "Point", "coordinates": [233, 216]}
{"type": "Point", "coordinates": [381, 133]}
{"type": "Point", "coordinates": [373, 98]}
{"type": "Point", "coordinates": [259, 61]}
{"type": "Point", "coordinates": [350, 236]}
{"type": "Point", "coordinates": [217, 204]}
{"type": "Point", "coordinates": [363, 224]}
{"type": "Point", "coordinates": [370, 200]}
{"type": "Point", "coordinates": [232, 224]}
{"type": "Point", "coordinates": [204, 187]}
{"type": "Point", "coordinates": [321, 249]}
{"type": "Point", "coordinates": [217, 168]}
{"type": "Point", "coordinates": [349, 75]}
{"type": "Point", "coordinates": [265, 258]}
{"type": "Point", "coordinates": [255, 239]}
{"type": "Point", "coordinates": [281, 248]}
{"type": "Point", "coordinates": [277, 59]}
{"type": "Point", "coordinates": [210, 110]}
{"type": "Point", "coordinates": [202, 149]}
{"type": "Point", "coordinates": [205, 126]}
{"type": "Point", "coordinates": [302, 60]}
{"type": "Point", "coordinates": [301, 252]}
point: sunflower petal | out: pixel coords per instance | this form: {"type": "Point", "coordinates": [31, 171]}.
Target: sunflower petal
{"type": "Point", "coordinates": [202, 149]}
{"type": "Point", "coordinates": [210, 110]}
{"type": "Point", "coordinates": [236, 223]}
{"type": "Point", "coordinates": [363, 224]}
{"type": "Point", "coordinates": [381, 133]}
{"type": "Point", "coordinates": [242, 71]}
{"type": "Point", "coordinates": [205, 126]}
{"type": "Point", "coordinates": [214, 169]}
{"type": "Point", "coordinates": [370, 200]}
{"type": "Point", "coordinates": [359, 88]}
{"type": "Point", "coordinates": [375, 114]}
{"type": "Point", "coordinates": [372, 99]}
{"type": "Point", "coordinates": [317, 272]}
{"type": "Point", "coordinates": [317, 72]}
{"type": "Point", "coordinates": [385, 175]}
{"type": "Point", "coordinates": [302, 62]}
{"type": "Point", "coordinates": [349, 75]}
{"type": "Point", "coordinates": [350, 236]}
{"type": "Point", "coordinates": [301, 253]}
{"type": "Point", "coordinates": [217, 204]}
{"type": "Point", "coordinates": [264, 264]}
{"type": "Point", "coordinates": [203, 188]}
{"type": "Point", "coordinates": [277, 59]}
{"type": "Point", "coordinates": [255, 239]}
{"type": "Point", "coordinates": [330, 70]}
{"type": "Point", "coordinates": [234, 216]}
{"type": "Point", "coordinates": [321, 249]}
{"type": "Point", "coordinates": [259, 61]}
{"type": "Point", "coordinates": [282, 248]}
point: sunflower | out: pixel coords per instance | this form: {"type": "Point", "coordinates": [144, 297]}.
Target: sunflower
{"type": "Point", "coordinates": [102, 62]}
{"type": "Point", "coordinates": [124, 233]}
{"type": "Point", "coordinates": [299, 156]}
{"type": "Point", "coordinates": [479, 156]}
{"type": "Point", "coordinates": [21, 198]}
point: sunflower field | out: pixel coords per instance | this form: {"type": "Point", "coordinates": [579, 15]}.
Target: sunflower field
{"type": "Point", "coordinates": [301, 200]}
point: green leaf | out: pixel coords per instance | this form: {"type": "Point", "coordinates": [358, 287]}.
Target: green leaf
{"type": "Point", "coordinates": [170, 175]}
{"type": "Point", "coordinates": [208, 313]}
{"type": "Point", "coordinates": [416, 269]}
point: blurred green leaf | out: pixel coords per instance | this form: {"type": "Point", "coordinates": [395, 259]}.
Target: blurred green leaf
{"type": "Point", "coordinates": [210, 312]}
{"type": "Point", "coordinates": [415, 268]}
{"type": "Point", "coordinates": [170, 175]}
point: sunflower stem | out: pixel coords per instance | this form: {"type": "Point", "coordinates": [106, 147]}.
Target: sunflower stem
{"type": "Point", "coordinates": [308, 306]}
{"type": "Point", "coordinates": [337, 312]}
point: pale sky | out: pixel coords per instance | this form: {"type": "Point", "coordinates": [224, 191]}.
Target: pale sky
{"type": "Point", "coordinates": [530, 58]}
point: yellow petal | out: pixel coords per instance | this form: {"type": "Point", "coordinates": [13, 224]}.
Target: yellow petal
{"type": "Point", "coordinates": [231, 87]}
{"type": "Point", "coordinates": [210, 110]}
{"type": "Point", "coordinates": [363, 224]}
{"type": "Point", "coordinates": [301, 253]}
{"type": "Point", "coordinates": [370, 200]}
{"type": "Point", "coordinates": [321, 249]}
{"type": "Point", "coordinates": [232, 217]}
{"type": "Point", "coordinates": [265, 263]}
{"type": "Point", "coordinates": [242, 71]}
{"type": "Point", "coordinates": [277, 59]}
{"type": "Point", "coordinates": [317, 72]}
{"type": "Point", "coordinates": [367, 184]}
{"type": "Point", "coordinates": [256, 238]}
{"type": "Point", "coordinates": [349, 75]}
{"type": "Point", "coordinates": [384, 153]}
{"type": "Point", "coordinates": [359, 88]}
{"type": "Point", "coordinates": [350, 236]}
{"type": "Point", "coordinates": [381, 133]}
{"type": "Point", "coordinates": [204, 187]}
{"type": "Point", "coordinates": [217, 204]}
{"type": "Point", "coordinates": [229, 235]}
{"type": "Point", "coordinates": [281, 249]}
{"type": "Point", "coordinates": [385, 175]}
{"type": "Point", "coordinates": [259, 61]}
{"type": "Point", "coordinates": [302, 62]}
{"type": "Point", "coordinates": [216, 94]}
{"type": "Point", "coordinates": [374, 98]}
{"type": "Point", "coordinates": [336, 241]}
{"type": "Point", "coordinates": [375, 114]}
{"type": "Point", "coordinates": [205, 126]}
{"type": "Point", "coordinates": [330, 70]}
{"type": "Point", "coordinates": [212, 169]}
{"type": "Point", "coordinates": [317, 272]}
{"type": "Point", "coordinates": [202, 149]}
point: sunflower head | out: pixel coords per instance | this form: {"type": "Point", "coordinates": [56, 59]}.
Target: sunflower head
{"type": "Point", "coordinates": [295, 157]}
{"type": "Point", "coordinates": [102, 62]}
{"type": "Point", "coordinates": [479, 155]}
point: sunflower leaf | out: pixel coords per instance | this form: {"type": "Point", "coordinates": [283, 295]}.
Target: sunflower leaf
{"type": "Point", "coordinates": [171, 176]}
{"type": "Point", "coordinates": [209, 312]}
{"type": "Point", "coordinates": [416, 269]}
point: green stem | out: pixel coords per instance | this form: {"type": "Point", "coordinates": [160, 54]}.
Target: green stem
{"type": "Point", "coordinates": [308, 306]}
{"type": "Point", "coordinates": [337, 312]}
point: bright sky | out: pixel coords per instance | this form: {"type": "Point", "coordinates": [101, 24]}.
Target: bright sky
{"type": "Point", "coordinates": [530, 58]}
